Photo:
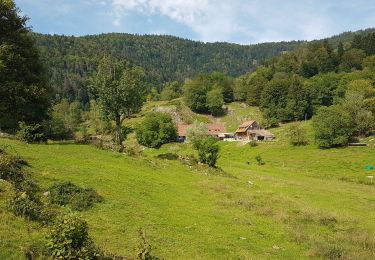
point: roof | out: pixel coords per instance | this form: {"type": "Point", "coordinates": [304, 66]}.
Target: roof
{"type": "Point", "coordinates": [262, 132]}
{"type": "Point", "coordinates": [247, 123]}
{"type": "Point", "coordinates": [244, 126]}
{"type": "Point", "coordinates": [181, 129]}
{"type": "Point", "coordinates": [213, 129]}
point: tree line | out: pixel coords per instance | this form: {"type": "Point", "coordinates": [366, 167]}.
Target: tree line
{"type": "Point", "coordinates": [70, 60]}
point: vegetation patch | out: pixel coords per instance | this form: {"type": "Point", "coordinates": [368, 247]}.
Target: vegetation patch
{"type": "Point", "coordinates": [68, 238]}
{"type": "Point", "coordinates": [67, 193]}
{"type": "Point", "coordinates": [168, 156]}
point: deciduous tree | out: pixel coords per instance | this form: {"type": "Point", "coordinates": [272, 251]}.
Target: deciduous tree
{"type": "Point", "coordinates": [121, 91]}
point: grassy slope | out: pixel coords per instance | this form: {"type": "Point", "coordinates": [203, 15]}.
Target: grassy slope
{"type": "Point", "coordinates": [305, 202]}
{"type": "Point", "coordinates": [239, 113]}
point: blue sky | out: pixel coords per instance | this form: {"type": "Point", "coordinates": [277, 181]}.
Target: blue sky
{"type": "Point", "coordinates": [238, 21]}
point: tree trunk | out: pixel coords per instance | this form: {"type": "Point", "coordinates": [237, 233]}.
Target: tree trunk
{"type": "Point", "coordinates": [119, 137]}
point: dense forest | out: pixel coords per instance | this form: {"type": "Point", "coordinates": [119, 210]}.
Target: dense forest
{"type": "Point", "coordinates": [71, 60]}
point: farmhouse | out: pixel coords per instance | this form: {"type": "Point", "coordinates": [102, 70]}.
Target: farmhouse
{"type": "Point", "coordinates": [251, 130]}
{"type": "Point", "coordinates": [215, 130]}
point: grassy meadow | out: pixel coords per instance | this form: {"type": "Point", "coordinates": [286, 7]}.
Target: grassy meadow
{"type": "Point", "coordinates": [304, 202]}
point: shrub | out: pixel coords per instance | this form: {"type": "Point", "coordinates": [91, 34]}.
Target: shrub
{"type": "Point", "coordinates": [10, 168]}
{"type": "Point", "coordinates": [333, 127]}
{"type": "Point", "coordinates": [67, 193]}
{"type": "Point", "coordinates": [34, 133]}
{"type": "Point", "coordinates": [133, 150]}
{"type": "Point", "coordinates": [68, 238]}
{"type": "Point", "coordinates": [253, 143]}
{"type": "Point", "coordinates": [297, 135]}
{"type": "Point", "coordinates": [156, 129]}
{"type": "Point", "coordinates": [22, 205]}
{"type": "Point", "coordinates": [208, 151]}
{"type": "Point", "coordinates": [259, 159]}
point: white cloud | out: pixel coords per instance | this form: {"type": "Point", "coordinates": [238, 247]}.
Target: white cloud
{"type": "Point", "coordinates": [242, 21]}
{"type": "Point", "coordinates": [227, 19]}
{"type": "Point", "coordinates": [210, 20]}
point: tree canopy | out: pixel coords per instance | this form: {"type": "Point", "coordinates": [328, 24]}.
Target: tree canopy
{"type": "Point", "coordinates": [120, 89]}
{"type": "Point", "coordinates": [24, 93]}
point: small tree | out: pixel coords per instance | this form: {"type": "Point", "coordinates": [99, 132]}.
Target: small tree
{"type": "Point", "coordinates": [156, 130]}
{"type": "Point", "coordinates": [297, 135]}
{"type": "Point", "coordinates": [119, 87]}
{"type": "Point", "coordinates": [208, 150]}
{"type": "Point", "coordinates": [333, 127]}
{"type": "Point", "coordinates": [196, 132]}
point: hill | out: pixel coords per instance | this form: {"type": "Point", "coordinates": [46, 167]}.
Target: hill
{"type": "Point", "coordinates": [304, 202]}
{"type": "Point", "coordinates": [70, 60]}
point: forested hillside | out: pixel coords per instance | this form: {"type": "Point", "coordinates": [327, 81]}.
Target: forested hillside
{"type": "Point", "coordinates": [70, 60]}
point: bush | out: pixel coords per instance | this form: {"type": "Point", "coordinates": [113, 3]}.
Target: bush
{"type": "Point", "coordinates": [22, 205]}
{"type": "Point", "coordinates": [156, 129]}
{"type": "Point", "coordinates": [34, 133]}
{"type": "Point", "coordinates": [10, 168]}
{"type": "Point", "coordinates": [67, 193]}
{"type": "Point", "coordinates": [253, 143]}
{"type": "Point", "coordinates": [297, 135]}
{"type": "Point", "coordinates": [69, 239]}
{"type": "Point", "coordinates": [259, 160]}
{"type": "Point", "coordinates": [133, 150]}
{"type": "Point", "coordinates": [333, 127]}
{"type": "Point", "coordinates": [208, 151]}
{"type": "Point", "coordinates": [11, 171]}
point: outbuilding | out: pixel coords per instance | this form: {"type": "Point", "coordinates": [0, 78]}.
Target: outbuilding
{"type": "Point", "coordinates": [251, 130]}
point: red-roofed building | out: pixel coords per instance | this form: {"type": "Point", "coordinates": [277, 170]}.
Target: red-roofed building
{"type": "Point", "coordinates": [212, 130]}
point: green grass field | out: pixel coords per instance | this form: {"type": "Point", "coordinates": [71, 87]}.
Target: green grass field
{"type": "Point", "coordinates": [303, 202]}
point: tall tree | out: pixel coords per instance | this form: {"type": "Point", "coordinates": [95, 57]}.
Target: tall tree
{"type": "Point", "coordinates": [24, 93]}
{"type": "Point", "coordinates": [121, 91]}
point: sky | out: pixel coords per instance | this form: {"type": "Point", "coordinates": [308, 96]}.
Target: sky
{"type": "Point", "coordinates": [237, 21]}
